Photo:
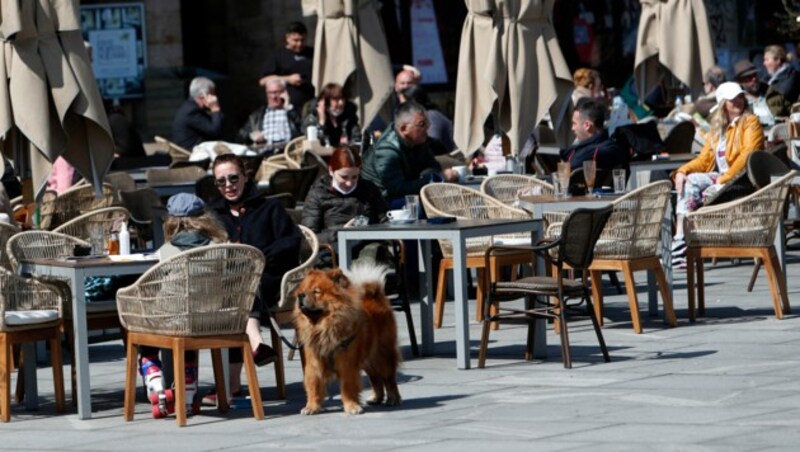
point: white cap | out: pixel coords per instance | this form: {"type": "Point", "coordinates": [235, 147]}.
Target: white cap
{"type": "Point", "coordinates": [728, 91]}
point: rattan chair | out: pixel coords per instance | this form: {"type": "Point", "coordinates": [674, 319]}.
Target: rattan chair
{"type": "Point", "coordinates": [146, 211]}
{"type": "Point", "coordinates": [282, 315]}
{"type": "Point", "coordinates": [507, 188]}
{"type": "Point", "coordinates": [120, 181]}
{"type": "Point", "coordinates": [575, 244]}
{"type": "Point", "coordinates": [176, 153]}
{"type": "Point", "coordinates": [270, 165]}
{"type": "Point", "coordinates": [6, 232]}
{"type": "Point", "coordinates": [741, 228]}
{"type": "Point", "coordinates": [58, 209]}
{"type": "Point", "coordinates": [198, 299]}
{"type": "Point", "coordinates": [297, 181]}
{"type": "Point", "coordinates": [30, 311]}
{"type": "Point", "coordinates": [109, 218]}
{"type": "Point", "coordinates": [464, 203]}
{"type": "Point", "coordinates": [293, 152]}
{"type": "Point", "coordinates": [679, 140]}
{"type": "Point", "coordinates": [629, 243]}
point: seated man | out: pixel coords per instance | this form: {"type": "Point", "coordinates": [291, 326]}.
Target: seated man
{"type": "Point", "coordinates": [272, 126]}
{"type": "Point", "coordinates": [746, 75]}
{"type": "Point", "coordinates": [591, 139]}
{"type": "Point", "coordinates": [783, 83]}
{"type": "Point", "coordinates": [401, 162]}
{"type": "Point", "coordinates": [200, 117]}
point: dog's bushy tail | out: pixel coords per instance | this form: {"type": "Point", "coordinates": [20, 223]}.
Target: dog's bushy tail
{"type": "Point", "coordinates": [370, 277]}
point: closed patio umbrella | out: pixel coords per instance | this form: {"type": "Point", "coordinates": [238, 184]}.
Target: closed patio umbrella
{"type": "Point", "coordinates": [49, 102]}
{"type": "Point", "coordinates": [350, 49]}
{"type": "Point", "coordinates": [673, 35]}
{"type": "Point", "coordinates": [510, 64]}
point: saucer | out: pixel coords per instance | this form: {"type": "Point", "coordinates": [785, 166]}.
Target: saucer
{"type": "Point", "coordinates": [402, 220]}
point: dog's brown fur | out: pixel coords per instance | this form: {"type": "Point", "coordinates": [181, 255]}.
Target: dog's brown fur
{"type": "Point", "coordinates": [345, 327]}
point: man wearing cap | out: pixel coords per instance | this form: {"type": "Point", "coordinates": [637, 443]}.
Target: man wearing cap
{"type": "Point", "coordinates": [746, 75]}
{"type": "Point", "coordinates": [735, 134]}
{"type": "Point", "coordinates": [783, 84]}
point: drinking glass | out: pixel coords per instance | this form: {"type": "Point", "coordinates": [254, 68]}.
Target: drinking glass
{"type": "Point", "coordinates": [412, 205]}
{"type": "Point", "coordinates": [619, 180]}
{"type": "Point", "coordinates": [97, 238]}
{"type": "Point", "coordinates": [563, 173]}
{"type": "Point", "coordinates": [589, 171]}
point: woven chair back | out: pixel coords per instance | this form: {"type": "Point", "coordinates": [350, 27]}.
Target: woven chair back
{"type": "Point", "coordinates": [507, 188]}
{"type": "Point", "coordinates": [453, 200]}
{"type": "Point", "coordinates": [205, 291]}
{"type": "Point", "coordinates": [40, 245]}
{"type": "Point", "coordinates": [580, 233]}
{"type": "Point", "coordinates": [140, 203]}
{"type": "Point", "coordinates": [634, 228]}
{"type": "Point", "coordinates": [309, 250]}
{"type": "Point", "coordinates": [293, 152]}
{"type": "Point", "coordinates": [25, 294]}
{"type": "Point", "coordinates": [109, 218]}
{"type": "Point", "coordinates": [58, 209]}
{"type": "Point", "coordinates": [120, 181]}
{"type": "Point", "coordinates": [297, 181]}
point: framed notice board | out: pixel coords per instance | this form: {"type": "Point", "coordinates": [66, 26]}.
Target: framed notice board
{"type": "Point", "coordinates": [119, 55]}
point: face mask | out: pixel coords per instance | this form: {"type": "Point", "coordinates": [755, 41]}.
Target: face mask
{"type": "Point", "coordinates": [340, 189]}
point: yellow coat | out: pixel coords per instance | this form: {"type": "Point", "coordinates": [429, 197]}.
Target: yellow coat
{"type": "Point", "coordinates": [743, 138]}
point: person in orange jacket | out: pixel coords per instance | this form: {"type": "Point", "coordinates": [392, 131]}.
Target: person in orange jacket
{"type": "Point", "coordinates": [735, 134]}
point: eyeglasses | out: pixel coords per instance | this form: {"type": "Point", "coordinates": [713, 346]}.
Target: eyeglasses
{"type": "Point", "coordinates": [233, 179]}
{"type": "Point", "coordinates": [424, 124]}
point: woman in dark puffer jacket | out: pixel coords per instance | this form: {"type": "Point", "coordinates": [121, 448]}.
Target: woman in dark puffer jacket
{"type": "Point", "coordinates": [337, 198]}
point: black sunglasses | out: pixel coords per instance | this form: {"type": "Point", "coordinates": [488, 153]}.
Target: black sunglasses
{"type": "Point", "coordinates": [232, 178]}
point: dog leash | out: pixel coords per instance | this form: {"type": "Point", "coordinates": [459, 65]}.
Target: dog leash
{"type": "Point", "coordinates": [277, 328]}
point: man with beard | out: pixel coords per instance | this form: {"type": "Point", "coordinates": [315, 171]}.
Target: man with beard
{"type": "Point", "coordinates": [746, 75]}
{"type": "Point", "coordinates": [335, 118]}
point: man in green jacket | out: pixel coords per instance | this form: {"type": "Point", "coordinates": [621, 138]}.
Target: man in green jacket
{"type": "Point", "coordinates": [401, 162]}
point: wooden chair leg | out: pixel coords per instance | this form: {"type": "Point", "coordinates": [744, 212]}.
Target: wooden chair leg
{"type": "Point", "coordinates": [701, 285]}
{"type": "Point", "coordinates": [441, 288]}
{"type": "Point", "coordinates": [633, 299]}
{"type": "Point", "coordinates": [479, 294]}
{"type": "Point", "coordinates": [772, 267]}
{"type": "Point", "coordinates": [5, 378]}
{"type": "Point", "coordinates": [131, 362]}
{"type": "Point", "coordinates": [219, 380]}
{"type": "Point", "coordinates": [179, 382]}
{"type": "Point", "coordinates": [754, 275]}
{"type": "Point", "coordinates": [597, 295]}
{"type": "Point", "coordinates": [666, 299]}
{"type": "Point", "coordinates": [19, 394]}
{"type": "Point", "coordinates": [56, 360]}
{"type": "Point", "coordinates": [781, 281]}
{"type": "Point", "coordinates": [252, 382]}
{"type": "Point", "coordinates": [690, 283]}
{"type": "Point", "coordinates": [280, 371]}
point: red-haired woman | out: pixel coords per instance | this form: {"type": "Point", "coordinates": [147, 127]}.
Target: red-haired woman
{"type": "Point", "coordinates": [337, 198]}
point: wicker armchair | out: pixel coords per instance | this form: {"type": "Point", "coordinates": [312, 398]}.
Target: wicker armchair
{"type": "Point", "coordinates": [146, 211]}
{"type": "Point", "coordinates": [270, 165]}
{"type": "Point", "coordinates": [120, 181]}
{"type": "Point", "coordinates": [507, 188]}
{"type": "Point", "coordinates": [109, 218]}
{"type": "Point", "coordinates": [629, 243]}
{"type": "Point", "coordinates": [29, 311]}
{"type": "Point", "coordinates": [198, 299]}
{"type": "Point", "coordinates": [573, 248]}
{"type": "Point", "coordinates": [465, 203]}
{"type": "Point", "coordinates": [57, 209]}
{"type": "Point", "coordinates": [6, 232]}
{"type": "Point", "coordinates": [741, 228]}
{"type": "Point", "coordinates": [293, 152]}
{"type": "Point", "coordinates": [176, 153]}
{"type": "Point", "coordinates": [160, 176]}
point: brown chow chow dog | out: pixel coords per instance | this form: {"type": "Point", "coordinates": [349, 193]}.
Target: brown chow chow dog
{"type": "Point", "coordinates": [345, 324]}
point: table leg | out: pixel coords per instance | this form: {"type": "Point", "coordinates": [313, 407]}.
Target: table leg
{"type": "Point", "coordinates": [780, 249]}
{"type": "Point", "coordinates": [81, 346]}
{"type": "Point", "coordinates": [29, 375]}
{"type": "Point", "coordinates": [461, 302]}
{"type": "Point", "coordinates": [426, 302]}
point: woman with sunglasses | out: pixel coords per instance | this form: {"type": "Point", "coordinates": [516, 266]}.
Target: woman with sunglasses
{"type": "Point", "coordinates": [263, 223]}
{"type": "Point", "coordinates": [340, 197]}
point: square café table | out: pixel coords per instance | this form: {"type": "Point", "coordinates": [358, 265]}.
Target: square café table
{"type": "Point", "coordinates": [76, 270]}
{"type": "Point", "coordinates": [457, 232]}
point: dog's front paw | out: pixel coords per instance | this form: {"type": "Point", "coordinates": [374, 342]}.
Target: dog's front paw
{"type": "Point", "coordinates": [375, 401]}
{"type": "Point", "coordinates": [393, 400]}
{"type": "Point", "coordinates": [353, 408]}
{"type": "Point", "coordinates": [311, 409]}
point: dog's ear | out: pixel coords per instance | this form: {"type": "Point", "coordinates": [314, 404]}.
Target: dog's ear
{"type": "Point", "coordinates": [337, 276]}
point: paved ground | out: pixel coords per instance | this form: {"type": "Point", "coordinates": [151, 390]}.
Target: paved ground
{"type": "Point", "coordinates": [728, 382]}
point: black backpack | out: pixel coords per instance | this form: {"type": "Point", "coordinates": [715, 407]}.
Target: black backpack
{"type": "Point", "coordinates": [641, 140]}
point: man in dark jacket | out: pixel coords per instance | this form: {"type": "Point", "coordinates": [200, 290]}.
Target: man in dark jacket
{"type": "Point", "coordinates": [591, 139]}
{"type": "Point", "coordinates": [271, 127]}
{"type": "Point", "coordinates": [199, 118]}
{"type": "Point", "coordinates": [292, 64]}
{"type": "Point", "coordinates": [401, 163]}
{"type": "Point", "coordinates": [783, 81]}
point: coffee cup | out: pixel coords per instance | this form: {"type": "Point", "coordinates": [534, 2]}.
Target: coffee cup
{"type": "Point", "coordinates": [398, 214]}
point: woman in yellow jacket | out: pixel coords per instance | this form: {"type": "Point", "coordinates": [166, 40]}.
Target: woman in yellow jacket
{"type": "Point", "coordinates": [735, 134]}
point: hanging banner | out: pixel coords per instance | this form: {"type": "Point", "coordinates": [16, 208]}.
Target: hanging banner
{"type": "Point", "coordinates": [426, 48]}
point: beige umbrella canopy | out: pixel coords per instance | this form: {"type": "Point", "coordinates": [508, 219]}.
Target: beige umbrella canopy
{"type": "Point", "coordinates": [509, 63]}
{"type": "Point", "coordinates": [673, 35]}
{"type": "Point", "coordinates": [350, 49]}
{"type": "Point", "coordinates": [49, 102]}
